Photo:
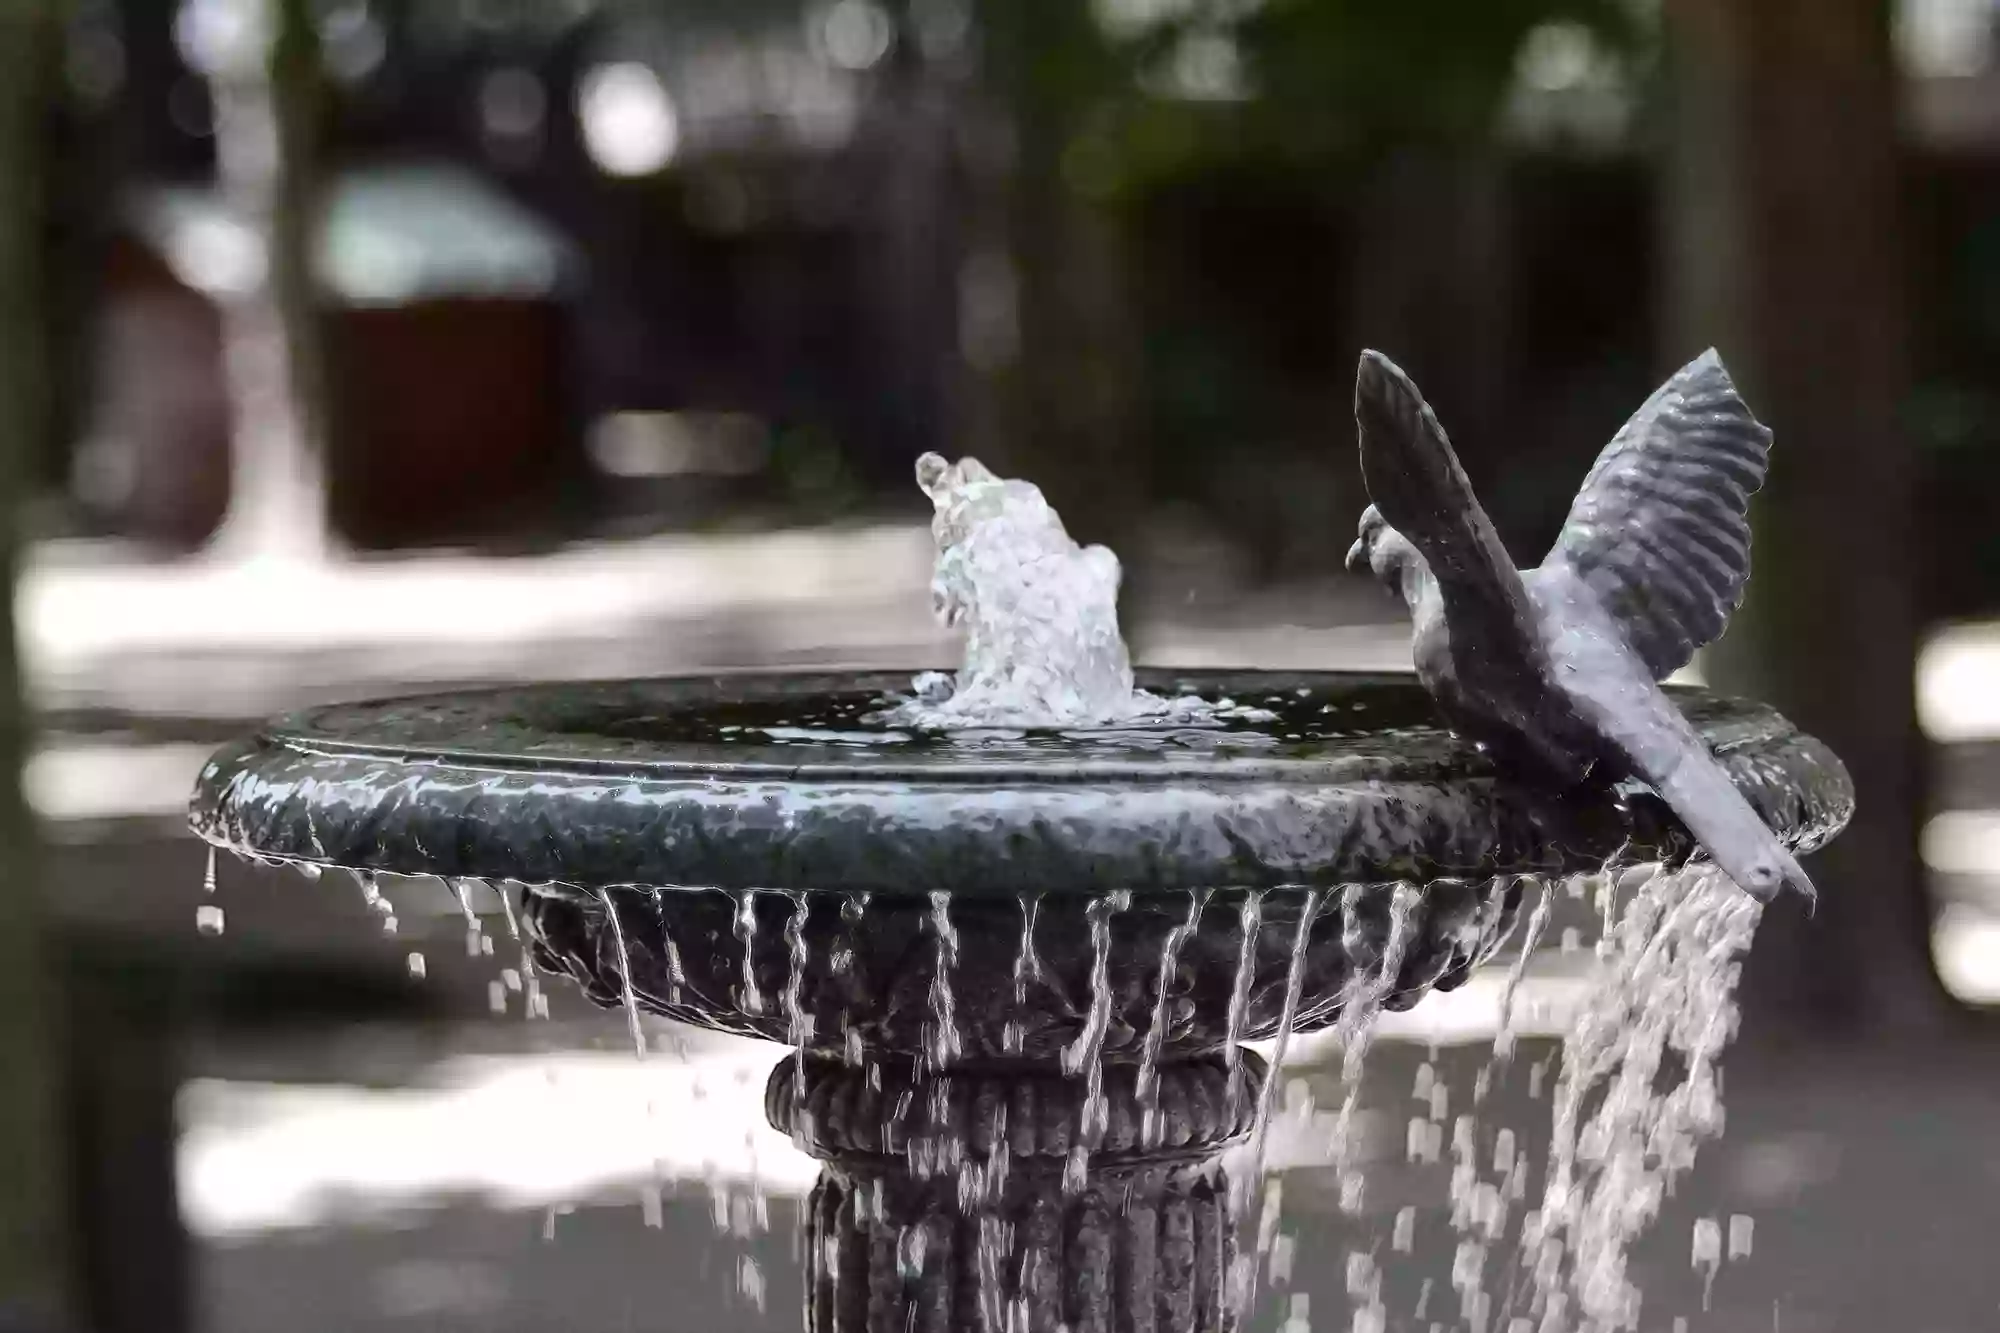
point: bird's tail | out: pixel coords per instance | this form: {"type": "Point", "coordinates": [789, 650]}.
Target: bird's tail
{"type": "Point", "coordinates": [1735, 837]}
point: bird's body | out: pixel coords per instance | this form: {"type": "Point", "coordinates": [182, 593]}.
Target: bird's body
{"type": "Point", "coordinates": [1555, 670]}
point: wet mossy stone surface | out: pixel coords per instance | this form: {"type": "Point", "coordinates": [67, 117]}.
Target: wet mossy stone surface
{"type": "Point", "coordinates": [785, 782]}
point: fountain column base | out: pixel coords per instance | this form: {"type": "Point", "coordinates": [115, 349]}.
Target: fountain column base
{"type": "Point", "coordinates": [960, 1201]}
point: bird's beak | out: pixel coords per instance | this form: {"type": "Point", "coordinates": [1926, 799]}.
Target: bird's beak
{"type": "Point", "coordinates": [1357, 556]}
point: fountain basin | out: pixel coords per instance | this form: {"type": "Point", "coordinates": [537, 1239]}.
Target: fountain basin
{"type": "Point", "coordinates": [1016, 966]}
{"type": "Point", "coordinates": [744, 829]}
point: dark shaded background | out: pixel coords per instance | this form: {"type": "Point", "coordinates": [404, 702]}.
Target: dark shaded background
{"type": "Point", "coordinates": [368, 344]}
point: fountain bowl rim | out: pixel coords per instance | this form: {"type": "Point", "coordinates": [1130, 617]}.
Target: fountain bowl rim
{"type": "Point", "coordinates": [318, 787]}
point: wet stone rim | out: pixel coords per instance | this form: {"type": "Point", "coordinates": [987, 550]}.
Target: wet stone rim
{"type": "Point", "coordinates": [644, 782]}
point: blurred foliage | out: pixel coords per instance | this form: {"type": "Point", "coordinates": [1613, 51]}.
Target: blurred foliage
{"type": "Point", "coordinates": [1318, 84]}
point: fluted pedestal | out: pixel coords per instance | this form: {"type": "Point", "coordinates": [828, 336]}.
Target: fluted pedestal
{"type": "Point", "coordinates": [1007, 1198]}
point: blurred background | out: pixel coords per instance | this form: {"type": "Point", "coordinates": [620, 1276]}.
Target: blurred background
{"type": "Point", "coordinates": [350, 346]}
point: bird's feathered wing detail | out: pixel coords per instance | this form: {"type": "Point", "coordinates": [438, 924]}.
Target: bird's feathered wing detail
{"type": "Point", "coordinates": [1416, 482]}
{"type": "Point", "coordinates": [1660, 532]}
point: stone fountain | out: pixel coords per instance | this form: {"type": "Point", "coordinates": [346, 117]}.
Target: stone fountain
{"type": "Point", "coordinates": [1015, 928]}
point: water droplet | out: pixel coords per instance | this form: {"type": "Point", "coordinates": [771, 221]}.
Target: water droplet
{"type": "Point", "coordinates": [1742, 1235]}
{"type": "Point", "coordinates": [208, 919]}
{"type": "Point", "coordinates": [416, 966]}
{"type": "Point", "coordinates": [625, 991]}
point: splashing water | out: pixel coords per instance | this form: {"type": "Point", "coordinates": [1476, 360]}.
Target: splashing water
{"type": "Point", "coordinates": [1665, 987]}
{"type": "Point", "coordinates": [1362, 1000]}
{"type": "Point", "coordinates": [1040, 615]}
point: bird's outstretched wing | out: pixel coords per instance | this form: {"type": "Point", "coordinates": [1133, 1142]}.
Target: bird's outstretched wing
{"type": "Point", "coordinates": [1416, 482]}
{"type": "Point", "coordinates": [1660, 531]}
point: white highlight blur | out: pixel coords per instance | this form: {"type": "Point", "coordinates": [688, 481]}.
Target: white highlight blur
{"type": "Point", "coordinates": [259, 1157]}
{"type": "Point", "coordinates": [1958, 683]}
{"type": "Point", "coordinates": [1965, 945]}
{"type": "Point", "coordinates": [630, 126]}
{"type": "Point", "coordinates": [103, 780]}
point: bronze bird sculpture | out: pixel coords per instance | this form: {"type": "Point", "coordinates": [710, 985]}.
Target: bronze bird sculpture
{"type": "Point", "coordinates": [1555, 670]}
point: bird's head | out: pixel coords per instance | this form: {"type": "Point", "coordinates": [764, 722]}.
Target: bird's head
{"type": "Point", "coordinates": [1382, 551]}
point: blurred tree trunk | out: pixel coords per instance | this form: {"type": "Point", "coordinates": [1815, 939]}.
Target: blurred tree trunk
{"type": "Point", "coordinates": [34, 1268]}
{"type": "Point", "coordinates": [1070, 394]}
{"type": "Point", "coordinates": [1428, 275]}
{"type": "Point", "coordinates": [266, 83]}
{"type": "Point", "coordinates": [1786, 250]}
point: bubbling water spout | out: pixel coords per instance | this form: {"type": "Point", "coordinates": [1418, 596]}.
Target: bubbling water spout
{"type": "Point", "coordinates": [1040, 615]}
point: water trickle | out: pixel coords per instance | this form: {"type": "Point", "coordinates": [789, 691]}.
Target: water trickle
{"type": "Point", "coordinates": [208, 871]}
{"type": "Point", "coordinates": [1250, 924]}
{"type": "Point", "coordinates": [208, 919]}
{"type": "Point", "coordinates": [499, 887]}
{"type": "Point", "coordinates": [842, 963]}
{"type": "Point", "coordinates": [799, 1023]}
{"type": "Point", "coordinates": [676, 975]}
{"type": "Point", "coordinates": [537, 999]}
{"type": "Point", "coordinates": [943, 1046]}
{"type": "Point", "coordinates": [751, 999]}
{"type": "Point", "coordinates": [626, 994]}
{"type": "Point", "coordinates": [1742, 1235]}
{"type": "Point", "coordinates": [1085, 1055]}
{"type": "Point", "coordinates": [1146, 1089]}
{"type": "Point", "coordinates": [1027, 972]}
{"type": "Point", "coordinates": [1706, 1255]}
{"type": "Point", "coordinates": [461, 889]}
{"type": "Point", "coordinates": [750, 1282]}
{"type": "Point", "coordinates": [1295, 978]}
{"type": "Point", "coordinates": [1538, 924]}
{"type": "Point", "coordinates": [1403, 1238]}
{"type": "Point", "coordinates": [375, 900]}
